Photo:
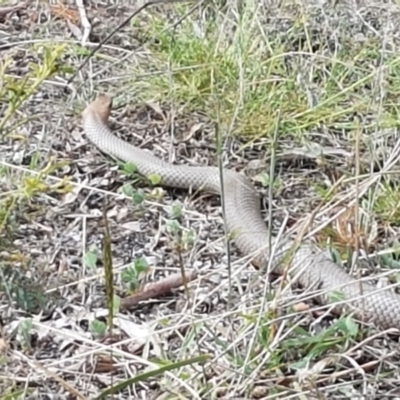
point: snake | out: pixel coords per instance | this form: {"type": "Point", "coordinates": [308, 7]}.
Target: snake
{"type": "Point", "coordinates": [304, 262]}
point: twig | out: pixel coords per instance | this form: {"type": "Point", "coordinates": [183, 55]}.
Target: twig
{"type": "Point", "coordinates": [84, 21]}
{"type": "Point", "coordinates": [158, 289]}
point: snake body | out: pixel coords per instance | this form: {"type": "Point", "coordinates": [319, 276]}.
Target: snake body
{"type": "Point", "coordinates": [311, 267]}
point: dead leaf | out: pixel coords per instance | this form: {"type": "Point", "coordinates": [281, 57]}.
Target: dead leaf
{"type": "Point", "coordinates": [155, 107]}
{"type": "Point", "coordinates": [133, 226]}
{"type": "Point", "coordinates": [74, 30]}
{"type": "Point", "coordinates": [63, 12]}
{"type": "Point", "coordinates": [141, 334]}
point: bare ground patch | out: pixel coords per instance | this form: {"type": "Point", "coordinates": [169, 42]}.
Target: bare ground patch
{"type": "Point", "coordinates": [325, 78]}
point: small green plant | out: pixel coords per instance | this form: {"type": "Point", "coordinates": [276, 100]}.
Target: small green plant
{"type": "Point", "coordinates": [14, 92]}
{"type": "Point", "coordinates": [183, 238]}
{"type": "Point", "coordinates": [131, 171]}
{"type": "Point", "coordinates": [91, 258]}
{"type": "Point", "coordinates": [25, 332]}
{"type": "Point", "coordinates": [138, 197]}
{"type": "Point", "coordinates": [128, 169]}
{"type": "Point", "coordinates": [132, 274]}
{"type": "Point", "coordinates": [340, 335]}
{"type": "Point", "coordinates": [174, 227]}
{"type": "Point", "coordinates": [20, 190]}
{"type": "Point", "coordinates": [25, 294]}
{"type": "Point", "coordinates": [154, 179]}
{"type": "Point", "coordinates": [176, 211]}
{"type": "Point", "coordinates": [98, 328]}
{"type": "Point", "coordinates": [265, 181]}
{"type": "Point", "coordinates": [387, 204]}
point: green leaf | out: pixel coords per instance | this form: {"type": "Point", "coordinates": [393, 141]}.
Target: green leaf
{"type": "Point", "coordinates": [128, 168]}
{"type": "Point", "coordinates": [90, 259]}
{"type": "Point", "coordinates": [138, 197]}
{"type": "Point", "coordinates": [188, 237]}
{"type": "Point", "coordinates": [176, 211]}
{"type": "Point", "coordinates": [25, 330]}
{"type": "Point", "coordinates": [155, 179]}
{"type": "Point", "coordinates": [131, 274]}
{"type": "Point", "coordinates": [127, 190]}
{"type": "Point", "coordinates": [173, 226]}
{"type": "Point", "coordinates": [336, 296]}
{"type": "Point", "coordinates": [98, 328]}
{"type": "Point", "coordinates": [350, 326]}
{"type": "Point", "coordinates": [336, 258]}
{"type": "Point", "coordinates": [141, 265]}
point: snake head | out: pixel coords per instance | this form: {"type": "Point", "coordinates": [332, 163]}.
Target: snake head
{"type": "Point", "coordinates": [101, 107]}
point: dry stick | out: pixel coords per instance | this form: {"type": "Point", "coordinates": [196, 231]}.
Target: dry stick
{"type": "Point", "coordinates": [158, 289]}
{"type": "Point", "coordinates": [84, 21]}
{"type": "Point", "coordinates": [357, 219]}
{"type": "Point", "coordinates": [113, 32]}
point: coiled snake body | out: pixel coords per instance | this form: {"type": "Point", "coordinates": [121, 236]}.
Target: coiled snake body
{"type": "Point", "coordinates": [242, 207]}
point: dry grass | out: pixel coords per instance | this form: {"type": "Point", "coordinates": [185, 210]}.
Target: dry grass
{"type": "Point", "coordinates": [326, 79]}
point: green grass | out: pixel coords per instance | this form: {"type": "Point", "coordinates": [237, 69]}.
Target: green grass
{"type": "Point", "coordinates": [387, 205]}
{"type": "Point", "coordinates": [245, 79]}
{"type": "Point", "coordinates": [21, 190]}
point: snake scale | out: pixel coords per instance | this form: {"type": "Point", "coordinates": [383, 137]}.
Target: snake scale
{"type": "Point", "coordinates": [311, 267]}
